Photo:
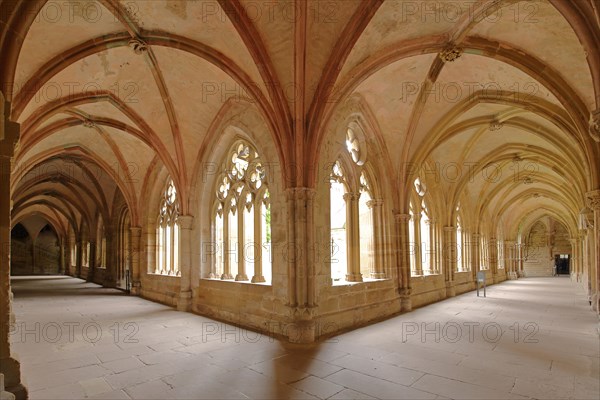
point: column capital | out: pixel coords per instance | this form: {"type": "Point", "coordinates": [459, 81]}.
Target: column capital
{"type": "Point", "coordinates": [593, 199]}
{"type": "Point", "coordinates": [402, 217]}
{"type": "Point", "coordinates": [475, 235]}
{"type": "Point", "coordinates": [595, 125]}
{"type": "Point", "coordinates": [374, 203]}
{"type": "Point", "coordinates": [300, 193]}
{"type": "Point", "coordinates": [185, 221]}
{"type": "Point", "coordinates": [349, 196]}
{"type": "Point", "coordinates": [9, 131]}
{"type": "Point", "coordinates": [450, 229]}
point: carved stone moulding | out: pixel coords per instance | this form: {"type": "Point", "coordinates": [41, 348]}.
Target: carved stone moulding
{"type": "Point", "coordinates": [595, 125]}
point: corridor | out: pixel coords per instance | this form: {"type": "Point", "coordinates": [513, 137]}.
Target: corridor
{"type": "Point", "coordinates": [531, 338]}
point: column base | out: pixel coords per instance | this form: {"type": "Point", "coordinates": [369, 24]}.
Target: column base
{"type": "Point", "coordinates": [354, 278]}
{"type": "Point", "coordinates": [240, 277]}
{"type": "Point", "coordinates": [450, 291]}
{"type": "Point", "coordinates": [405, 303]}
{"type": "Point", "coordinates": [226, 276]}
{"type": "Point", "coordinates": [11, 370]}
{"type": "Point", "coordinates": [258, 279]}
{"type": "Point", "coordinates": [512, 275]}
{"type": "Point", "coordinates": [378, 275]}
{"type": "Point", "coordinates": [184, 303]}
{"type": "Point", "coordinates": [301, 332]}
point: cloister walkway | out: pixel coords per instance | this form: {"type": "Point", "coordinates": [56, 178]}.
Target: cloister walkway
{"type": "Point", "coordinates": [531, 338]}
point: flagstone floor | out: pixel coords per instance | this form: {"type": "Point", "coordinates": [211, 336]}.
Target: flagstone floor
{"type": "Point", "coordinates": [531, 338]}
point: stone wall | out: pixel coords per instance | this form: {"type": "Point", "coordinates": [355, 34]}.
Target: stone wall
{"type": "Point", "coordinates": [161, 288]}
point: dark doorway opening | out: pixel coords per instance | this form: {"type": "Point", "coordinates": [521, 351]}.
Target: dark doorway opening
{"type": "Point", "coordinates": [562, 264]}
{"type": "Point", "coordinates": [34, 255]}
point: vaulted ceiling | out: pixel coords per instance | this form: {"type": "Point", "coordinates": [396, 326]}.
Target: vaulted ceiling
{"type": "Point", "coordinates": [128, 87]}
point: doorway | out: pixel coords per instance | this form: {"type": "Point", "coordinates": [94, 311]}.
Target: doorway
{"type": "Point", "coordinates": [563, 264]}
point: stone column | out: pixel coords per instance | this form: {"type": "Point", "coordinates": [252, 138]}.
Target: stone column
{"type": "Point", "coordinates": [301, 265]}
{"type": "Point", "coordinates": [509, 259]}
{"type": "Point", "coordinates": [519, 260]}
{"type": "Point", "coordinates": [110, 272]}
{"type": "Point", "coordinates": [449, 258]}
{"type": "Point", "coordinates": [580, 257]}
{"type": "Point", "coordinates": [493, 258]}
{"type": "Point", "coordinates": [62, 259]}
{"type": "Point", "coordinates": [241, 274]}
{"type": "Point", "coordinates": [376, 207]}
{"type": "Point", "coordinates": [258, 256]}
{"type": "Point", "coordinates": [475, 255]}
{"type": "Point", "coordinates": [465, 252]}
{"type": "Point", "coordinates": [226, 256]}
{"type": "Point", "coordinates": [78, 256]}
{"type": "Point", "coordinates": [92, 261]}
{"type": "Point", "coordinates": [9, 136]}
{"type": "Point", "coordinates": [433, 247]}
{"type": "Point", "coordinates": [593, 201]}
{"type": "Point", "coordinates": [574, 267]}
{"type": "Point", "coordinates": [185, 262]}
{"type": "Point", "coordinates": [135, 257]}
{"type": "Point", "coordinates": [418, 244]}
{"type": "Point", "coordinates": [403, 260]}
{"type": "Point", "coordinates": [353, 237]}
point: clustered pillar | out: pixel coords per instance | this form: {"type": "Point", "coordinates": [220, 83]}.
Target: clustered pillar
{"type": "Point", "coordinates": [593, 201]}
{"type": "Point", "coordinates": [135, 248]}
{"type": "Point", "coordinates": [9, 367]}
{"type": "Point", "coordinates": [376, 207]}
{"type": "Point", "coordinates": [405, 247]}
{"type": "Point", "coordinates": [353, 237]}
{"type": "Point", "coordinates": [475, 254]}
{"type": "Point", "coordinates": [450, 258]}
{"type": "Point", "coordinates": [493, 258]}
{"type": "Point", "coordinates": [185, 262]}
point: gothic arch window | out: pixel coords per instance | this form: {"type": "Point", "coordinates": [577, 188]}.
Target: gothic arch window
{"type": "Point", "coordinates": [484, 257]}
{"type": "Point", "coordinates": [73, 244]}
{"type": "Point", "coordinates": [427, 253]}
{"type": "Point", "coordinates": [123, 244]}
{"type": "Point", "coordinates": [500, 252]}
{"type": "Point", "coordinates": [356, 222]}
{"type": "Point", "coordinates": [338, 216]}
{"type": "Point", "coordinates": [461, 250]}
{"type": "Point", "coordinates": [167, 233]}
{"type": "Point", "coordinates": [242, 218]}
{"type": "Point", "coordinates": [85, 246]}
{"type": "Point", "coordinates": [366, 227]}
{"type": "Point", "coordinates": [412, 240]}
{"type": "Point", "coordinates": [422, 234]}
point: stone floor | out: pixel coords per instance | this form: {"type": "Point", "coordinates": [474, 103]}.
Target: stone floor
{"type": "Point", "coordinates": [531, 338]}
